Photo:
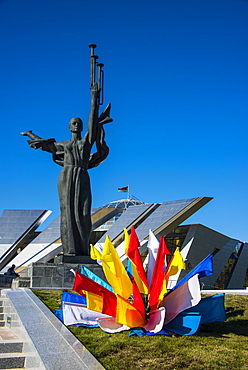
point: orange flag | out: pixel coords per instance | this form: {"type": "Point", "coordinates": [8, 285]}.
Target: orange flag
{"type": "Point", "coordinates": [127, 314]}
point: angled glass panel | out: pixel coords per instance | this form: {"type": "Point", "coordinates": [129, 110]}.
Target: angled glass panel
{"type": "Point", "coordinates": [42, 245]}
{"type": "Point", "coordinates": [14, 223]}
{"type": "Point", "coordinates": [161, 215]}
{"type": "Point", "coordinates": [50, 234]}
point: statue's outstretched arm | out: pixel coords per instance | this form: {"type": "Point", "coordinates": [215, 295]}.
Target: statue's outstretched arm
{"type": "Point", "coordinates": [37, 142]}
{"type": "Point", "coordinates": [30, 135]}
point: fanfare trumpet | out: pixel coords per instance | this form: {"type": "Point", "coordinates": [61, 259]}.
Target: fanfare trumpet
{"type": "Point", "coordinates": [99, 79]}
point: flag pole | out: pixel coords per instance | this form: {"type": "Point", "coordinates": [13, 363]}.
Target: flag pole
{"type": "Point", "coordinates": [128, 194]}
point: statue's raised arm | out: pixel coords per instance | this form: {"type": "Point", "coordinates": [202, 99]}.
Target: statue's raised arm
{"type": "Point", "coordinates": [93, 116]}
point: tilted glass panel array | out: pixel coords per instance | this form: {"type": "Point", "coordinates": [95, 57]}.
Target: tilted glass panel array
{"type": "Point", "coordinates": [14, 223]}
{"type": "Point", "coordinates": [161, 215]}
{"type": "Point", "coordinates": [50, 234]}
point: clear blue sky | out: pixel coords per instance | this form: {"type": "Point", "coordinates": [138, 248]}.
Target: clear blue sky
{"type": "Point", "coordinates": [176, 74]}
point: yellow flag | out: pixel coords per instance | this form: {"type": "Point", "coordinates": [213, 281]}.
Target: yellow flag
{"type": "Point", "coordinates": [94, 302]}
{"type": "Point", "coordinates": [126, 240]}
{"type": "Point", "coordinates": [163, 292]}
{"type": "Point", "coordinates": [94, 253]}
{"type": "Point", "coordinates": [115, 271]}
{"type": "Point", "coordinates": [127, 314]}
{"type": "Point", "coordinates": [175, 264]}
{"type": "Point", "coordinates": [112, 279]}
{"type": "Point", "coordinates": [140, 284]}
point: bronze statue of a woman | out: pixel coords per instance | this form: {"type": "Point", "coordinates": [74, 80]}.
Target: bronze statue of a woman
{"type": "Point", "coordinates": [74, 183]}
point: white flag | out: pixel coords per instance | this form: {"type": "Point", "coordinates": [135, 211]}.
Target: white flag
{"type": "Point", "coordinates": [156, 321]}
{"type": "Point", "coordinates": [152, 247]}
{"type": "Point", "coordinates": [111, 326]}
{"type": "Point", "coordinates": [185, 296]}
{"type": "Point", "coordinates": [74, 313]}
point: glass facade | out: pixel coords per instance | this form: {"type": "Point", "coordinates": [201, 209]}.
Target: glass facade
{"type": "Point", "coordinates": [176, 238]}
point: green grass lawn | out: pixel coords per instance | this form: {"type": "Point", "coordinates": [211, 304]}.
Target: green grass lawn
{"type": "Point", "coordinates": [215, 346]}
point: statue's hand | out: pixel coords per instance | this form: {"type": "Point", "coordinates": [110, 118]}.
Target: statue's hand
{"type": "Point", "coordinates": [34, 145]}
{"type": "Point", "coordinates": [95, 87]}
{"type": "Point", "coordinates": [26, 133]}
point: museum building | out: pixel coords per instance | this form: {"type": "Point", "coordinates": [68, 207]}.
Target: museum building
{"type": "Point", "coordinates": [31, 250]}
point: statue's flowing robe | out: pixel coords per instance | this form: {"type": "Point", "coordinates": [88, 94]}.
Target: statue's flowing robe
{"type": "Point", "coordinates": [74, 186]}
{"type": "Point", "coordinates": [75, 198]}
{"type": "Point", "coordinates": [75, 192]}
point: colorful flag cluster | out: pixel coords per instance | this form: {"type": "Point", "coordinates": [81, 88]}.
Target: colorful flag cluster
{"type": "Point", "coordinates": [133, 298]}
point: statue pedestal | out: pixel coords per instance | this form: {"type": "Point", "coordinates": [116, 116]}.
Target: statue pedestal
{"type": "Point", "coordinates": [55, 275]}
{"type": "Point", "coordinates": [78, 260]}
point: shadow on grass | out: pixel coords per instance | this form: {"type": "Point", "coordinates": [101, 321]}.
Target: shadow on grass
{"type": "Point", "coordinates": [232, 312]}
{"type": "Point", "coordinates": [222, 329]}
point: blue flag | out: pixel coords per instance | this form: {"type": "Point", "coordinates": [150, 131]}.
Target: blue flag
{"type": "Point", "coordinates": [212, 309]}
{"type": "Point", "coordinates": [68, 297]}
{"type": "Point", "coordinates": [208, 310]}
{"type": "Point", "coordinates": [72, 297]}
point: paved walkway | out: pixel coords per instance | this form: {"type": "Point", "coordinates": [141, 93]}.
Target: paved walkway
{"type": "Point", "coordinates": [55, 345]}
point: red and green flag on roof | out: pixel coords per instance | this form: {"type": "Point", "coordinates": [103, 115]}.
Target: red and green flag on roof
{"type": "Point", "coordinates": [124, 189]}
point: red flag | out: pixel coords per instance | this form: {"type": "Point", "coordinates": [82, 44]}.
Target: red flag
{"type": "Point", "coordinates": [134, 255]}
{"type": "Point", "coordinates": [124, 189]}
{"type": "Point", "coordinates": [138, 301]}
{"type": "Point", "coordinates": [158, 274]}
{"type": "Point", "coordinates": [109, 304]}
{"type": "Point", "coordinates": [82, 282]}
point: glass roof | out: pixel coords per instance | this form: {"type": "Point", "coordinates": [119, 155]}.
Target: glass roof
{"type": "Point", "coordinates": [123, 203]}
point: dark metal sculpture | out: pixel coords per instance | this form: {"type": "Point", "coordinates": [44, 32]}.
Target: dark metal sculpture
{"type": "Point", "coordinates": [76, 158]}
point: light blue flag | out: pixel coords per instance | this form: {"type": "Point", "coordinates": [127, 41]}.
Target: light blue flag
{"type": "Point", "coordinates": [86, 272]}
{"type": "Point", "coordinates": [129, 268]}
{"type": "Point", "coordinates": [185, 323]}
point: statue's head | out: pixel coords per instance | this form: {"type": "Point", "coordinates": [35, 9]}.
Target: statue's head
{"type": "Point", "coordinates": [75, 124]}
